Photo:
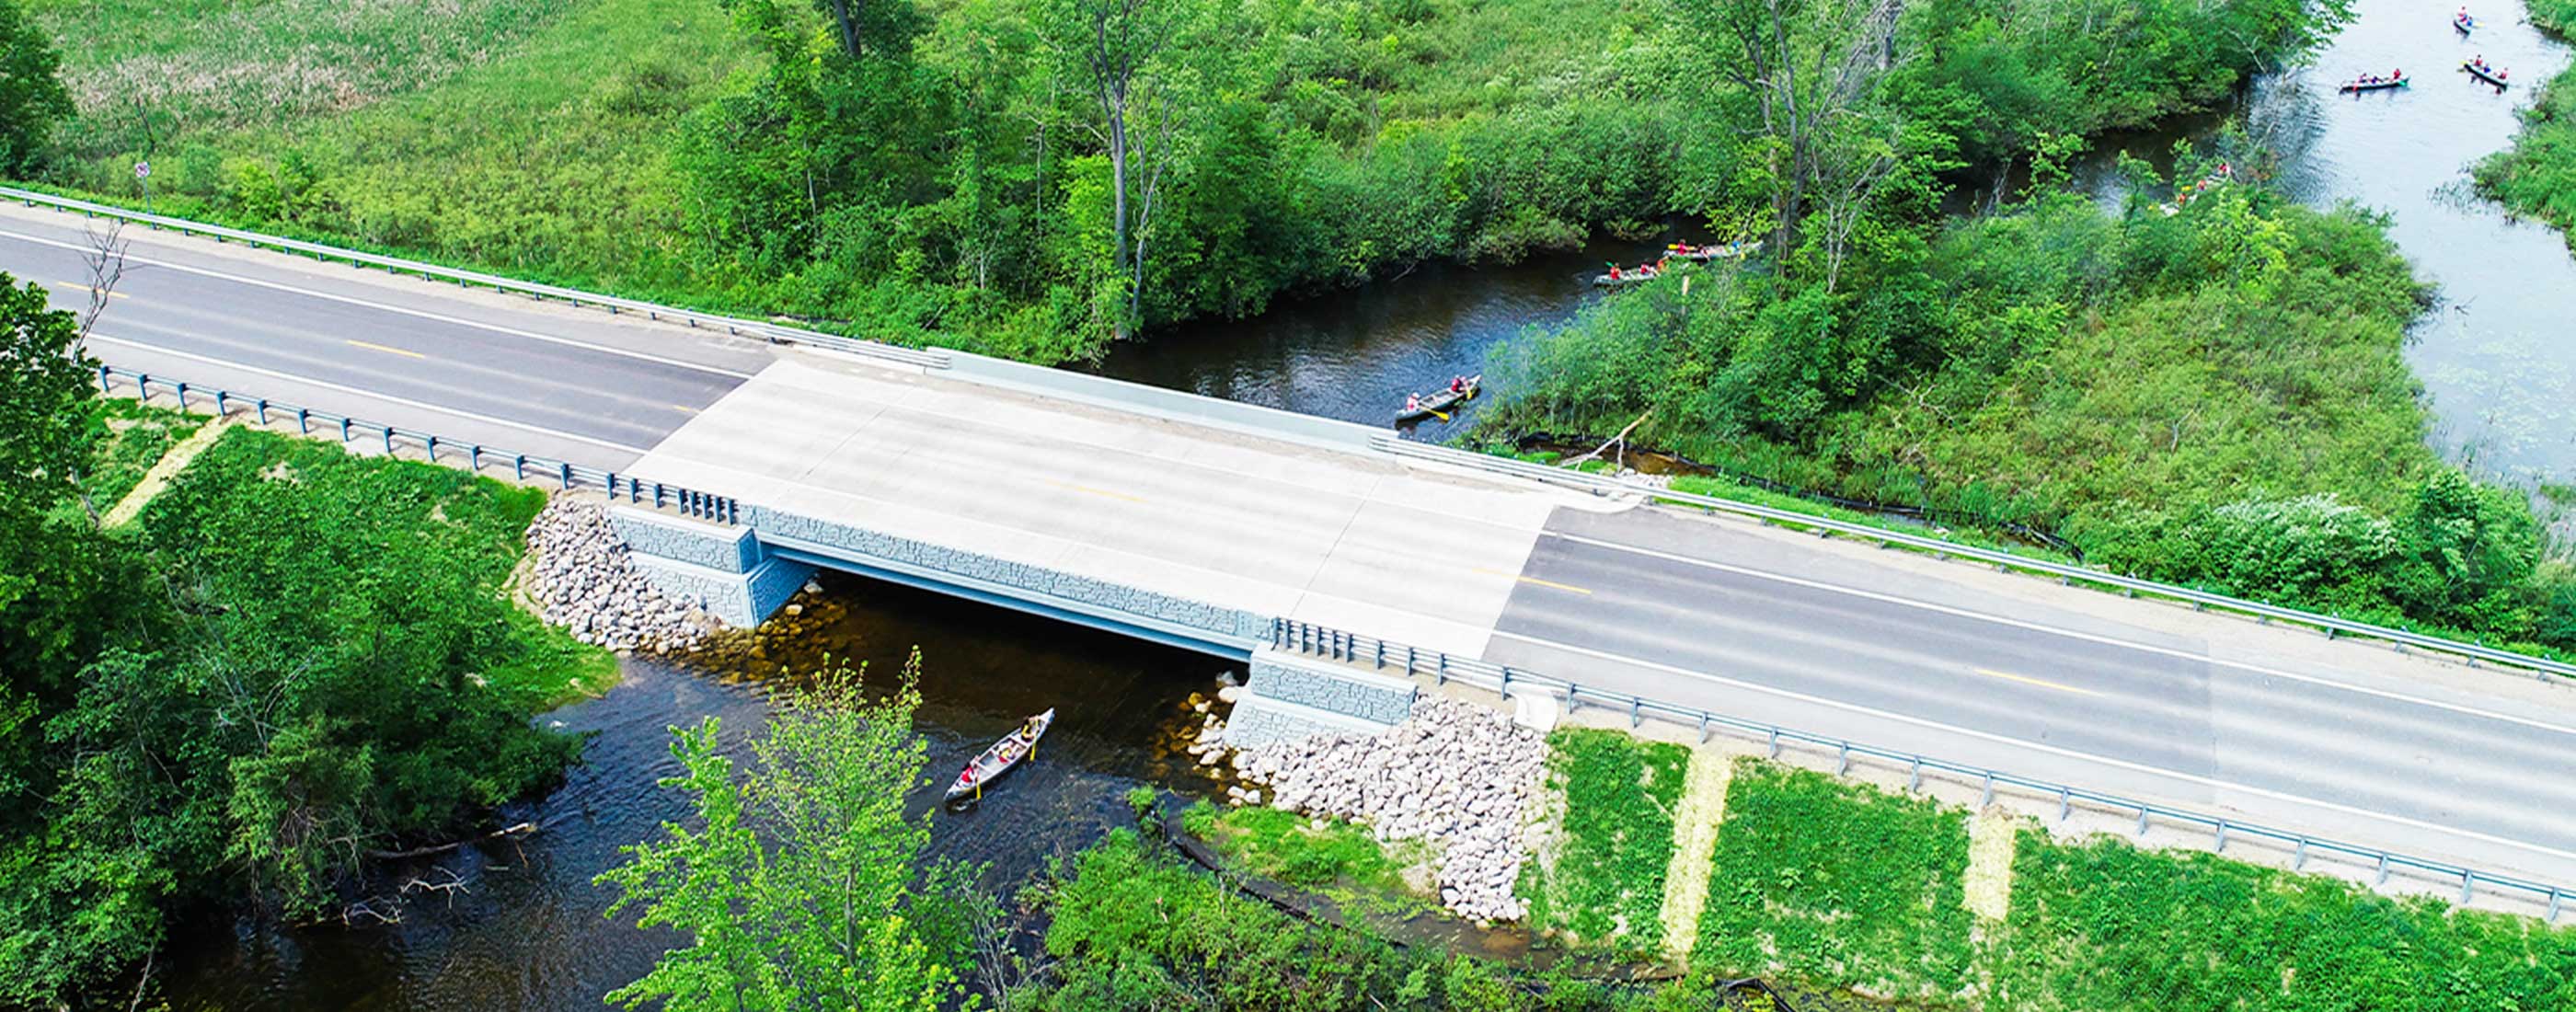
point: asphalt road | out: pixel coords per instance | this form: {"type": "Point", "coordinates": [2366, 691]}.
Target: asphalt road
{"type": "Point", "coordinates": [596, 389]}
{"type": "Point", "coordinates": [1763, 623]}
{"type": "Point", "coordinates": [2339, 739]}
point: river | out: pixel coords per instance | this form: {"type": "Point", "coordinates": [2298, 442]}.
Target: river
{"type": "Point", "coordinates": [2496, 358]}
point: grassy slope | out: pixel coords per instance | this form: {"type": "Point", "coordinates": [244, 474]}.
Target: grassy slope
{"type": "Point", "coordinates": [137, 436]}
{"type": "Point", "coordinates": [414, 514]}
{"type": "Point", "coordinates": [1604, 883]}
{"type": "Point", "coordinates": [1338, 859]}
{"type": "Point", "coordinates": [1837, 883]}
{"type": "Point", "coordinates": [2537, 175]}
{"type": "Point", "coordinates": [535, 146]}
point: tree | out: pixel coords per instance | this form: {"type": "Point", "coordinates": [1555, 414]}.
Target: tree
{"type": "Point", "coordinates": [1811, 67]}
{"type": "Point", "coordinates": [48, 409]}
{"type": "Point", "coordinates": [32, 95]}
{"type": "Point", "coordinates": [1117, 53]}
{"type": "Point", "coordinates": [800, 888]}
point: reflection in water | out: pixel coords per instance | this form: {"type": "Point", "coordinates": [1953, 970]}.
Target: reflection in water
{"type": "Point", "coordinates": [531, 932]}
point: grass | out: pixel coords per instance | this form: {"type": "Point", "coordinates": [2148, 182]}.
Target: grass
{"type": "Point", "coordinates": [523, 136]}
{"type": "Point", "coordinates": [424, 523]}
{"type": "Point", "coordinates": [1340, 860]}
{"type": "Point", "coordinates": [1838, 884]}
{"type": "Point", "coordinates": [2106, 927]}
{"type": "Point", "coordinates": [137, 436]}
{"type": "Point", "coordinates": [1601, 881]}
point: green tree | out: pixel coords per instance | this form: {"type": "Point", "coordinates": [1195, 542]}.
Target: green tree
{"type": "Point", "coordinates": [801, 888]}
{"type": "Point", "coordinates": [32, 96]}
{"type": "Point", "coordinates": [1120, 56]}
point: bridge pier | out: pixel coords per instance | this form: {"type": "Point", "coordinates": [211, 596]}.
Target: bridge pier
{"type": "Point", "coordinates": [728, 570]}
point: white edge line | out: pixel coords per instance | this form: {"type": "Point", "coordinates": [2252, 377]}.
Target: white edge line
{"type": "Point", "coordinates": [353, 391]}
{"type": "Point", "coordinates": [422, 314]}
{"type": "Point", "coordinates": [2071, 634]}
{"type": "Point", "coordinates": [2134, 767]}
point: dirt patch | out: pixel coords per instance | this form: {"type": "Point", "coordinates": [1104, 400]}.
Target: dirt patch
{"type": "Point", "coordinates": [162, 471]}
{"type": "Point", "coordinates": [1990, 857]}
{"type": "Point", "coordinates": [1695, 819]}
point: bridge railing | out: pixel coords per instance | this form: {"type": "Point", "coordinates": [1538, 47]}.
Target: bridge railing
{"type": "Point", "coordinates": [473, 456]}
{"type": "Point", "coordinates": [1336, 644]}
{"type": "Point", "coordinates": [2331, 625]}
{"type": "Point", "coordinates": [779, 333]}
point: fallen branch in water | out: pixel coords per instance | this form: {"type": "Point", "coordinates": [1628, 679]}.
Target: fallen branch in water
{"type": "Point", "coordinates": [1619, 441]}
{"type": "Point", "coordinates": [521, 829]}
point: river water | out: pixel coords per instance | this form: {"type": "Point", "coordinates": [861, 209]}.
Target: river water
{"type": "Point", "coordinates": [2497, 359]}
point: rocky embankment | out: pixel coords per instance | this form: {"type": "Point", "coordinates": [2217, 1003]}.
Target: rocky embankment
{"type": "Point", "coordinates": [580, 578]}
{"type": "Point", "coordinates": [1454, 774]}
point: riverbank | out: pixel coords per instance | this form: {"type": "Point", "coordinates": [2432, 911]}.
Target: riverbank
{"type": "Point", "coordinates": [2537, 175]}
{"type": "Point", "coordinates": [1889, 895]}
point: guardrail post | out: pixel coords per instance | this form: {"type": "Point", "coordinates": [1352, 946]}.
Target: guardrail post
{"type": "Point", "coordinates": [103, 378]}
{"type": "Point", "coordinates": [262, 407]}
{"type": "Point", "coordinates": [219, 402]}
{"type": "Point", "coordinates": [519, 468]}
{"type": "Point", "coordinates": [1842, 764]}
{"type": "Point", "coordinates": [183, 397]}
{"type": "Point", "coordinates": [2065, 803]}
{"type": "Point", "coordinates": [473, 456]}
{"type": "Point", "coordinates": [304, 421]}
{"type": "Point", "coordinates": [1989, 797]}
{"type": "Point", "coordinates": [344, 428]}
{"type": "Point", "coordinates": [1914, 780]}
{"type": "Point", "coordinates": [2553, 905]}
{"type": "Point", "coordinates": [2383, 868]}
{"type": "Point", "coordinates": [1636, 712]}
{"type": "Point", "coordinates": [1703, 727]}
{"type": "Point", "coordinates": [1380, 653]}
{"type": "Point", "coordinates": [2142, 822]}
{"type": "Point", "coordinates": [1775, 743]}
{"type": "Point", "coordinates": [432, 443]}
{"type": "Point", "coordinates": [2299, 859]}
{"type": "Point", "coordinates": [1440, 669]}
{"type": "Point", "coordinates": [565, 471]}
{"type": "Point", "coordinates": [2468, 881]}
{"type": "Point", "coordinates": [389, 444]}
{"type": "Point", "coordinates": [2222, 836]}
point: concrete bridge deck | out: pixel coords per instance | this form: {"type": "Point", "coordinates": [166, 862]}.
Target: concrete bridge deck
{"type": "Point", "coordinates": [1253, 515]}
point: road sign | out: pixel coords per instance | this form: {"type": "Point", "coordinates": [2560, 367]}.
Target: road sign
{"type": "Point", "coordinates": [143, 170]}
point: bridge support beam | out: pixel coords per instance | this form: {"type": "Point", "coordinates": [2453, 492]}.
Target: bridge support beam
{"type": "Point", "coordinates": [723, 566]}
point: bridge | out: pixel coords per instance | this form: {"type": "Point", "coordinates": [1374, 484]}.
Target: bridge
{"type": "Point", "coordinates": [1208, 524]}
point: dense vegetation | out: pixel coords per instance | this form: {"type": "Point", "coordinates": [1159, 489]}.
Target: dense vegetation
{"type": "Point", "coordinates": [1835, 882]}
{"type": "Point", "coordinates": [2214, 397]}
{"type": "Point", "coordinates": [801, 885]}
{"type": "Point", "coordinates": [292, 658]}
{"type": "Point", "coordinates": [1133, 928]}
{"type": "Point", "coordinates": [2537, 175]}
{"type": "Point", "coordinates": [1036, 177]}
{"type": "Point", "coordinates": [1601, 882]}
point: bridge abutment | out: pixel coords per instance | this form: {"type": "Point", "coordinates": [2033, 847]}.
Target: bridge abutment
{"type": "Point", "coordinates": [724, 567]}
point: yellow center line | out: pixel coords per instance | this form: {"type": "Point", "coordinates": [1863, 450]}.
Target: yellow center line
{"type": "Point", "coordinates": [684, 409]}
{"type": "Point", "coordinates": [1550, 584]}
{"type": "Point", "coordinates": [79, 286]}
{"type": "Point", "coordinates": [1088, 490]}
{"type": "Point", "coordinates": [386, 350]}
{"type": "Point", "coordinates": [2027, 680]}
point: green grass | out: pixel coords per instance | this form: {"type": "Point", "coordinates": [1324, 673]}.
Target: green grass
{"type": "Point", "coordinates": [2537, 175]}
{"type": "Point", "coordinates": [1838, 884]}
{"type": "Point", "coordinates": [2106, 927]}
{"type": "Point", "coordinates": [393, 519]}
{"type": "Point", "coordinates": [1602, 882]}
{"type": "Point", "coordinates": [137, 437]}
{"type": "Point", "coordinates": [523, 136]}
{"type": "Point", "coordinates": [1340, 860]}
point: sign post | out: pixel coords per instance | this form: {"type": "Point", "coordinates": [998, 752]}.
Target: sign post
{"type": "Point", "coordinates": [143, 175]}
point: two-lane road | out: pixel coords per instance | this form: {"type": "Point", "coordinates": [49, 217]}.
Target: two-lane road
{"type": "Point", "coordinates": [594, 389]}
{"type": "Point", "coordinates": [1734, 620]}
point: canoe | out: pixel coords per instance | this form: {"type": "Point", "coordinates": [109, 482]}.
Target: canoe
{"type": "Point", "coordinates": [2464, 23]}
{"type": "Point", "coordinates": [1730, 251]}
{"type": "Point", "coordinates": [2361, 86]}
{"type": "Point", "coordinates": [1624, 279]}
{"type": "Point", "coordinates": [1004, 756]}
{"type": "Point", "coordinates": [2487, 74]}
{"type": "Point", "coordinates": [1441, 402]}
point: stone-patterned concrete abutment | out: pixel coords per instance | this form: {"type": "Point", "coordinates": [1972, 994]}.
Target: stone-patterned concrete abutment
{"type": "Point", "coordinates": [724, 567]}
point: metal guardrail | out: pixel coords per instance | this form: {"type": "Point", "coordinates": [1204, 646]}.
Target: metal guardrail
{"type": "Point", "coordinates": [927, 359]}
{"type": "Point", "coordinates": [2132, 586]}
{"type": "Point", "coordinates": [941, 359]}
{"type": "Point", "coordinates": [1335, 644]}
{"type": "Point", "coordinates": [686, 502]}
